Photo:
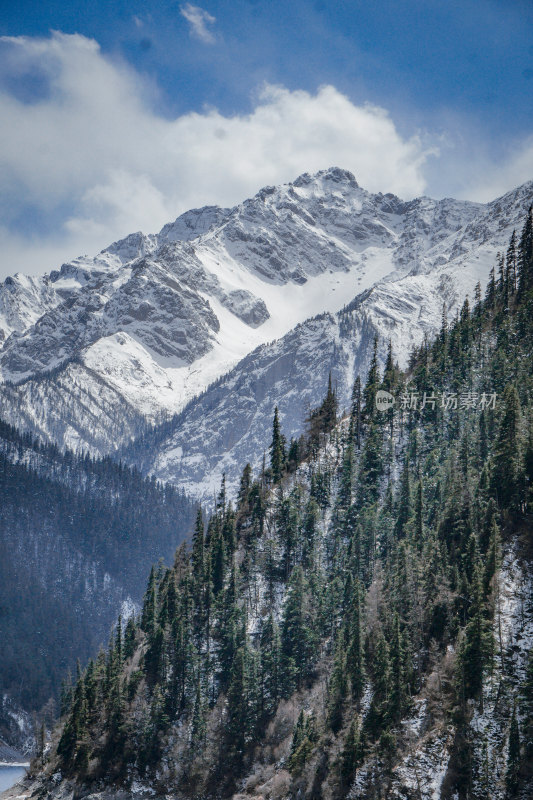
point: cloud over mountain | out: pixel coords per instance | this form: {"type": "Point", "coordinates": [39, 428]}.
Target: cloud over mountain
{"type": "Point", "coordinates": [83, 153]}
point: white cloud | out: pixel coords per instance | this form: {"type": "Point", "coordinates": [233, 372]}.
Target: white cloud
{"type": "Point", "coordinates": [92, 156]}
{"type": "Point", "coordinates": [199, 20]}
{"type": "Point", "coordinates": [92, 159]}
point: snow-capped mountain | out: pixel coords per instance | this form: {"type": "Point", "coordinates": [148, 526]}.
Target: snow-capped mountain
{"type": "Point", "coordinates": [95, 349]}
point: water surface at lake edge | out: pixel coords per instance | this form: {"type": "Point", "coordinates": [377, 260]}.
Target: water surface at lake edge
{"type": "Point", "coordinates": [9, 775]}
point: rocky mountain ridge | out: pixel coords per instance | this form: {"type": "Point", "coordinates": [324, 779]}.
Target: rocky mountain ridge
{"type": "Point", "coordinates": [98, 349]}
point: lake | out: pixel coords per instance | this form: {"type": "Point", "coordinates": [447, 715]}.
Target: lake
{"type": "Point", "coordinates": [9, 776]}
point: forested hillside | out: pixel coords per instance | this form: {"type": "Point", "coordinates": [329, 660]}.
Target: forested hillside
{"type": "Point", "coordinates": [77, 537]}
{"type": "Point", "coordinates": [360, 623]}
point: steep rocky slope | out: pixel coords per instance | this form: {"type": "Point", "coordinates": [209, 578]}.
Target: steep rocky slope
{"type": "Point", "coordinates": [128, 338]}
{"type": "Point", "coordinates": [234, 414]}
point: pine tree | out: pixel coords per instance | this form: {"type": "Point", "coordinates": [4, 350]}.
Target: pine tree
{"type": "Point", "coordinates": [65, 700]}
{"type": "Point", "coordinates": [507, 467]}
{"type": "Point", "coordinates": [198, 554]}
{"type": "Point", "coordinates": [381, 673]}
{"type": "Point", "coordinates": [198, 724]}
{"type": "Point", "coordinates": [244, 489]}
{"type": "Point", "coordinates": [119, 655]}
{"type": "Point", "coordinates": [75, 730]}
{"type": "Point", "coordinates": [490, 292]}
{"type": "Point", "coordinates": [220, 506]}
{"type": "Point", "coordinates": [227, 629]}
{"type": "Point", "coordinates": [297, 635]}
{"type": "Point", "coordinates": [271, 679]}
{"type": "Point", "coordinates": [483, 443]}
{"type": "Point", "coordinates": [513, 756]}
{"type": "Point", "coordinates": [287, 525]}
{"type": "Point", "coordinates": [501, 283]}
{"type": "Point", "coordinates": [323, 419]}
{"type": "Point", "coordinates": [355, 656]}
{"type": "Point", "coordinates": [372, 384]}
{"type": "Point", "coordinates": [389, 384]}
{"type": "Point", "coordinates": [338, 686]}
{"type": "Point", "coordinates": [345, 490]}
{"type": "Point", "coordinates": [404, 501]}
{"type": "Point", "coordinates": [351, 754]}
{"type": "Point", "coordinates": [309, 533]}
{"type": "Point", "coordinates": [149, 606]}
{"type": "Point", "coordinates": [303, 741]}
{"type": "Point", "coordinates": [329, 408]}
{"type": "Point", "coordinates": [443, 342]}
{"type": "Point", "coordinates": [153, 657]}
{"type": "Point", "coordinates": [355, 413]}
{"type": "Point", "coordinates": [129, 638]}
{"type": "Point", "coordinates": [398, 694]}
{"type": "Point", "coordinates": [511, 264]}
{"type": "Point", "coordinates": [370, 466]}
{"type": "Point", "coordinates": [525, 255]}
{"type": "Point", "coordinates": [527, 707]}
{"type": "Point", "coordinates": [277, 449]}
{"type": "Point", "coordinates": [492, 564]}
{"type": "Point", "coordinates": [238, 722]}
{"type": "Point", "coordinates": [419, 514]}
{"type": "Point", "coordinates": [217, 561]}
{"type": "Point", "coordinates": [477, 645]}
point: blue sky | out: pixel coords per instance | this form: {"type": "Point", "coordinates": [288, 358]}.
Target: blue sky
{"type": "Point", "coordinates": [120, 115]}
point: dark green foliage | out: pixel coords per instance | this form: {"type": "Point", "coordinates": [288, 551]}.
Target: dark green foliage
{"type": "Point", "coordinates": [371, 466]}
{"type": "Point", "coordinates": [297, 634]}
{"type": "Point", "coordinates": [129, 638]}
{"type": "Point", "coordinates": [338, 686]}
{"type": "Point", "coordinates": [77, 536]}
{"type": "Point", "coordinates": [271, 667]}
{"type": "Point", "coordinates": [352, 754]}
{"type": "Point", "coordinates": [513, 756]}
{"type": "Point", "coordinates": [277, 449]}
{"type": "Point", "coordinates": [322, 420]}
{"type": "Point", "coordinates": [372, 385]}
{"type": "Point", "coordinates": [365, 570]}
{"type": "Point", "coordinates": [303, 742]}
{"type": "Point", "coordinates": [527, 707]}
{"type": "Point", "coordinates": [507, 463]}
{"type": "Point", "coordinates": [238, 711]}
{"type": "Point", "coordinates": [355, 664]}
{"type": "Point", "coordinates": [398, 667]}
{"type": "Point", "coordinates": [403, 514]}
{"type": "Point", "coordinates": [378, 716]}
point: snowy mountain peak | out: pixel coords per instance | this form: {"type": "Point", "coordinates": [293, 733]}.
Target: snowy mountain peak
{"type": "Point", "coordinates": [153, 320]}
{"type": "Point", "coordinates": [131, 247]}
{"type": "Point", "coordinates": [333, 175]}
{"type": "Point", "coordinates": [194, 223]}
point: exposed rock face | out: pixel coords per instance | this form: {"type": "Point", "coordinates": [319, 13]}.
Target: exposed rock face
{"type": "Point", "coordinates": [100, 347]}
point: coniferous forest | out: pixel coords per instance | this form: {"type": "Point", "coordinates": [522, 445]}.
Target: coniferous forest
{"type": "Point", "coordinates": [359, 622]}
{"type": "Point", "coordinates": [78, 534]}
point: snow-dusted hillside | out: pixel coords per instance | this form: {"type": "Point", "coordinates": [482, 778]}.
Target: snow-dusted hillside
{"type": "Point", "coordinates": [136, 333]}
